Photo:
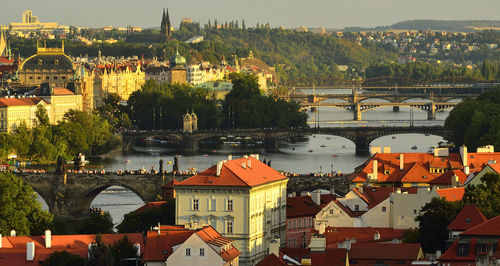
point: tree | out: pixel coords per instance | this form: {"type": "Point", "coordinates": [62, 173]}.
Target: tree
{"type": "Point", "coordinates": [100, 253]}
{"type": "Point", "coordinates": [485, 196]}
{"type": "Point", "coordinates": [98, 223]}
{"type": "Point", "coordinates": [41, 115]}
{"type": "Point", "coordinates": [20, 209]}
{"type": "Point", "coordinates": [135, 222]}
{"type": "Point", "coordinates": [434, 218]}
{"type": "Point", "coordinates": [64, 258]}
{"type": "Point", "coordinates": [123, 249]}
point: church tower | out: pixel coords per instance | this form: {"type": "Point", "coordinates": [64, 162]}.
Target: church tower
{"type": "Point", "coordinates": [162, 26]}
{"type": "Point", "coordinates": [166, 27]}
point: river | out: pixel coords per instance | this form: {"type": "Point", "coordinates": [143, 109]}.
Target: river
{"type": "Point", "coordinates": [317, 153]}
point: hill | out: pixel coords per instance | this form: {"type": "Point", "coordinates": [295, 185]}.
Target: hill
{"type": "Point", "coordinates": [438, 25]}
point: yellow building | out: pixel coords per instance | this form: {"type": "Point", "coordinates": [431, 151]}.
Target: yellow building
{"type": "Point", "coordinates": [97, 83]}
{"type": "Point", "coordinates": [60, 101]}
{"type": "Point", "coordinates": [243, 199]}
{"type": "Point", "coordinates": [48, 65]}
{"type": "Point", "coordinates": [15, 111]}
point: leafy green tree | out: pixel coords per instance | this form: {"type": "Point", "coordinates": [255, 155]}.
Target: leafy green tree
{"type": "Point", "coordinates": [485, 196]}
{"type": "Point", "coordinates": [42, 116]}
{"type": "Point", "coordinates": [434, 218]}
{"type": "Point", "coordinates": [20, 209]}
{"type": "Point", "coordinates": [64, 258]}
{"type": "Point", "coordinates": [100, 253]}
{"type": "Point", "coordinates": [97, 223]}
{"type": "Point", "coordinates": [114, 112]}
{"type": "Point", "coordinates": [135, 222]}
{"type": "Point", "coordinates": [123, 251]}
{"type": "Point", "coordinates": [5, 146]}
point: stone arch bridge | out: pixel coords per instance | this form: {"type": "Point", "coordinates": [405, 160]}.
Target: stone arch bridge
{"type": "Point", "coordinates": [361, 136]}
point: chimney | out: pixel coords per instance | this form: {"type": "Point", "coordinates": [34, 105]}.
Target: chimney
{"type": "Point", "coordinates": [316, 197]}
{"type": "Point", "coordinates": [249, 163]}
{"type": "Point", "coordinates": [318, 243]}
{"type": "Point", "coordinates": [244, 165]}
{"type": "Point", "coordinates": [463, 155]}
{"type": "Point", "coordinates": [467, 170]}
{"type": "Point", "coordinates": [48, 238]}
{"type": "Point", "coordinates": [375, 170]}
{"type": "Point", "coordinates": [159, 228]}
{"type": "Point", "coordinates": [360, 189]}
{"type": "Point", "coordinates": [438, 254]}
{"type": "Point", "coordinates": [274, 247]}
{"type": "Point", "coordinates": [401, 162]}
{"type": "Point", "coordinates": [229, 157]}
{"type": "Point", "coordinates": [219, 167]}
{"type": "Point", "coordinates": [30, 251]}
{"type": "Point", "coordinates": [0, 240]}
{"type": "Point", "coordinates": [12, 232]}
{"type": "Point", "coordinates": [137, 247]}
{"type": "Point", "coordinates": [294, 194]}
{"type": "Point", "coordinates": [255, 155]}
{"type": "Point", "coordinates": [332, 190]}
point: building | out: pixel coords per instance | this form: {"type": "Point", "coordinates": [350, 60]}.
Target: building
{"type": "Point", "coordinates": [478, 245]}
{"type": "Point", "coordinates": [385, 253]}
{"type": "Point", "coordinates": [468, 217]}
{"type": "Point", "coordinates": [48, 65]}
{"type": "Point", "coordinates": [195, 75]}
{"type": "Point", "coordinates": [31, 23]}
{"type": "Point", "coordinates": [189, 245]}
{"type": "Point", "coordinates": [120, 79]}
{"type": "Point", "coordinates": [15, 111]}
{"type": "Point", "coordinates": [60, 101]}
{"type": "Point", "coordinates": [300, 212]}
{"type": "Point", "coordinates": [189, 122]}
{"type": "Point", "coordinates": [165, 27]}
{"type": "Point", "coordinates": [174, 73]}
{"type": "Point", "coordinates": [33, 250]}
{"type": "Point", "coordinates": [219, 89]}
{"type": "Point", "coordinates": [440, 168]}
{"type": "Point", "coordinates": [243, 199]}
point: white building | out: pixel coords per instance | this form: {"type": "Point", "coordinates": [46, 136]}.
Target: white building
{"type": "Point", "coordinates": [243, 199]}
{"type": "Point", "coordinates": [195, 75]}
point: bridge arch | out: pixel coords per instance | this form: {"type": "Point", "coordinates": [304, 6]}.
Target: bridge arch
{"type": "Point", "coordinates": [93, 192]}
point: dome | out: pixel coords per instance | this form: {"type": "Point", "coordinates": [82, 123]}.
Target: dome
{"type": "Point", "coordinates": [194, 116]}
{"type": "Point", "coordinates": [48, 61]}
{"type": "Point", "coordinates": [177, 60]}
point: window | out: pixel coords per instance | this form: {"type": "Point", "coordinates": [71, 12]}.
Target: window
{"type": "Point", "coordinates": [289, 224]}
{"type": "Point", "coordinates": [294, 224]}
{"type": "Point", "coordinates": [289, 242]}
{"type": "Point", "coordinates": [195, 204]}
{"type": "Point", "coordinates": [212, 204]}
{"type": "Point", "coordinates": [305, 222]}
{"type": "Point", "coordinates": [295, 242]}
{"type": "Point", "coordinates": [331, 212]}
{"type": "Point", "coordinates": [384, 209]}
{"type": "Point", "coordinates": [202, 252]}
{"type": "Point", "coordinates": [300, 223]}
{"type": "Point", "coordinates": [47, 78]}
{"type": "Point", "coordinates": [482, 248]}
{"type": "Point", "coordinates": [229, 227]}
{"type": "Point", "coordinates": [463, 250]}
{"type": "Point", "coordinates": [356, 207]}
{"type": "Point", "coordinates": [414, 211]}
{"type": "Point", "coordinates": [188, 252]}
{"type": "Point", "coordinates": [230, 205]}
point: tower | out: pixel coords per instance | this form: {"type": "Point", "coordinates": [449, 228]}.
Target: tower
{"type": "Point", "coordinates": [162, 26]}
{"type": "Point", "coordinates": [169, 27]}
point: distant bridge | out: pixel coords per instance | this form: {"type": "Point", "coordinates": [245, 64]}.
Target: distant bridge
{"type": "Point", "coordinates": [361, 136]}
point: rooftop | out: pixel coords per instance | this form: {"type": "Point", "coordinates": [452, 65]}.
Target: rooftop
{"type": "Point", "coordinates": [468, 217]}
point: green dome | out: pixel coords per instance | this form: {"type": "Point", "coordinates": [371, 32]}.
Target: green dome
{"type": "Point", "coordinates": [177, 60]}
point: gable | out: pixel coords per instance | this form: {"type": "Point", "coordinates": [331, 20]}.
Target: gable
{"type": "Point", "coordinates": [194, 243]}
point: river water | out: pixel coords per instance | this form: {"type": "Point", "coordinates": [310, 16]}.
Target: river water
{"type": "Point", "coordinates": [316, 153]}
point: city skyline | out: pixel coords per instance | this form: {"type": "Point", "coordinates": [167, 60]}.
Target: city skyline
{"type": "Point", "coordinates": [324, 13]}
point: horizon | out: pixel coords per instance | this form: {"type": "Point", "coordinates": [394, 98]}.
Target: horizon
{"type": "Point", "coordinates": [321, 13]}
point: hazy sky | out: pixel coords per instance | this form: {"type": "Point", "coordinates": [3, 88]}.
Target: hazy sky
{"type": "Point", "coordinates": [287, 13]}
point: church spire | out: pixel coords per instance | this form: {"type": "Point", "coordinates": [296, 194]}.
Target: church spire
{"type": "Point", "coordinates": [169, 27]}
{"type": "Point", "coordinates": [162, 26]}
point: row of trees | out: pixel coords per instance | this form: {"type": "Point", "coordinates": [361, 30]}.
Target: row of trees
{"type": "Point", "coordinates": [78, 132]}
{"type": "Point", "coordinates": [161, 106]}
{"type": "Point", "coordinates": [476, 122]}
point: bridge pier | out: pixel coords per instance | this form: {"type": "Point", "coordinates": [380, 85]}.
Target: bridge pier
{"type": "Point", "coordinates": [271, 145]}
{"type": "Point", "coordinates": [431, 112]}
{"type": "Point", "coordinates": [189, 144]}
{"type": "Point", "coordinates": [357, 111]}
{"type": "Point", "coordinates": [395, 108]}
{"type": "Point", "coordinates": [362, 145]}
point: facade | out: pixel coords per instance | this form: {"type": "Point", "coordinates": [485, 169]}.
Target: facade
{"type": "Point", "coordinates": [16, 111]}
{"type": "Point", "coordinates": [189, 245]}
{"type": "Point", "coordinates": [468, 217]}
{"type": "Point", "coordinates": [48, 65]}
{"type": "Point", "coordinates": [440, 168]}
{"type": "Point", "coordinates": [31, 23]}
{"type": "Point", "coordinates": [102, 80]}
{"type": "Point", "coordinates": [243, 199]}
{"type": "Point", "coordinates": [300, 212]}
{"type": "Point", "coordinates": [60, 101]}
{"type": "Point", "coordinates": [174, 73]}
{"type": "Point", "coordinates": [195, 75]}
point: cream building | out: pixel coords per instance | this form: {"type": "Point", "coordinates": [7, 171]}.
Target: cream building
{"type": "Point", "coordinates": [60, 101]}
{"type": "Point", "coordinates": [195, 75]}
{"type": "Point", "coordinates": [243, 199]}
{"type": "Point", "coordinates": [15, 111]}
{"type": "Point", "coordinates": [97, 83]}
{"type": "Point", "coordinates": [31, 23]}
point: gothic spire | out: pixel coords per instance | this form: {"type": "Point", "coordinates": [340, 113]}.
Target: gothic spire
{"type": "Point", "coordinates": [162, 26]}
{"type": "Point", "coordinates": [169, 26]}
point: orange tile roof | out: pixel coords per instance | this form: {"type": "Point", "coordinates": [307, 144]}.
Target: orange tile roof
{"type": "Point", "coordinates": [234, 174]}
{"type": "Point", "coordinates": [384, 251]}
{"type": "Point", "coordinates": [62, 91]}
{"type": "Point", "coordinates": [335, 235]}
{"type": "Point", "coordinates": [495, 167]}
{"type": "Point", "coordinates": [477, 161]}
{"type": "Point", "coordinates": [451, 194]}
{"type": "Point", "coordinates": [19, 101]}
{"type": "Point", "coordinates": [304, 206]}
{"type": "Point", "coordinates": [150, 205]}
{"type": "Point", "coordinates": [468, 217]}
{"type": "Point", "coordinates": [13, 249]}
{"type": "Point", "coordinates": [271, 260]}
{"type": "Point", "coordinates": [488, 228]}
{"type": "Point", "coordinates": [446, 178]}
{"type": "Point", "coordinates": [375, 195]}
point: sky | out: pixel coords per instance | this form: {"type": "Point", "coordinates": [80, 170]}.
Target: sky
{"type": "Point", "coordinates": [287, 13]}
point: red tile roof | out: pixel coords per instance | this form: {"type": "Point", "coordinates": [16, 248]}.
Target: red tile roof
{"type": "Point", "coordinates": [375, 195]}
{"type": "Point", "coordinates": [488, 228]}
{"type": "Point", "coordinates": [385, 251]}
{"type": "Point", "coordinates": [451, 194]}
{"type": "Point", "coordinates": [446, 178]}
{"type": "Point", "coordinates": [13, 251]}
{"type": "Point", "coordinates": [304, 206]}
{"type": "Point", "coordinates": [332, 256]}
{"type": "Point", "coordinates": [451, 253]}
{"type": "Point", "coordinates": [477, 161]}
{"type": "Point", "coordinates": [495, 167]}
{"type": "Point", "coordinates": [468, 217]}
{"type": "Point", "coordinates": [234, 174]}
{"type": "Point", "coordinates": [150, 205]}
{"type": "Point", "coordinates": [160, 246]}
{"type": "Point", "coordinates": [19, 101]}
{"type": "Point", "coordinates": [271, 260]}
{"type": "Point", "coordinates": [335, 235]}
{"type": "Point", "coordinates": [62, 91]}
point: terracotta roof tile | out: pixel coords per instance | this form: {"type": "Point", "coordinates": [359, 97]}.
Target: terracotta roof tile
{"type": "Point", "coordinates": [332, 256]}
{"type": "Point", "coordinates": [234, 174]}
{"type": "Point", "coordinates": [62, 91]}
{"type": "Point", "coordinates": [468, 217]}
{"type": "Point", "coordinates": [304, 206]}
{"type": "Point", "coordinates": [150, 205]}
{"type": "Point", "coordinates": [384, 251]}
{"type": "Point", "coordinates": [20, 101]}
{"type": "Point", "coordinates": [451, 194]}
{"type": "Point", "coordinates": [335, 235]}
{"type": "Point", "coordinates": [271, 260]}
{"type": "Point", "coordinates": [488, 228]}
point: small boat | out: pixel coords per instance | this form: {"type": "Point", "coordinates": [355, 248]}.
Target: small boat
{"type": "Point", "coordinates": [393, 137]}
{"type": "Point", "coordinates": [310, 150]}
{"type": "Point", "coordinates": [293, 148]}
{"type": "Point", "coordinates": [427, 134]}
{"type": "Point", "coordinates": [323, 146]}
{"type": "Point", "coordinates": [204, 155]}
{"type": "Point", "coordinates": [335, 155]}
{"type": "Point", "coordinates": [343, 146]}
{"type": "Point", "coordinates": [328, 138]}
{"type": "Point", "coordinates": [414, 148]}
